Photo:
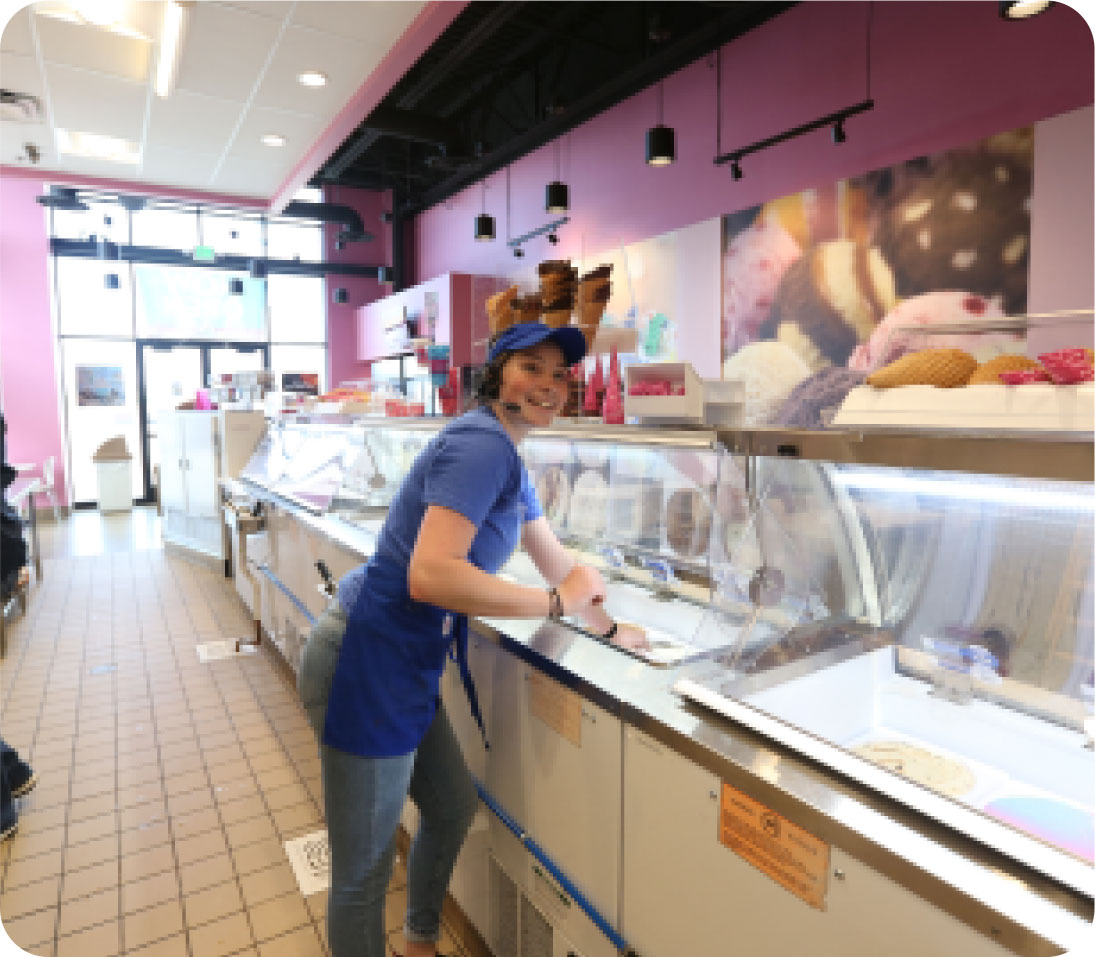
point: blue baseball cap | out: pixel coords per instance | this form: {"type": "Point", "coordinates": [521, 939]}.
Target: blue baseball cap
{"type": "Point", "coordinates": [524, 335]}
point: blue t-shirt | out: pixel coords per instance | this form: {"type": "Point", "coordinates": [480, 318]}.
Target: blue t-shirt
{"type": "Point", "coordinates": [385, 688]}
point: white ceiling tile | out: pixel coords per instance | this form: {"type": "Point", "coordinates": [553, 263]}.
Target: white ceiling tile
{"type": "Point", "coordinates": [16, 36]}
{"type": "Point", "coordinates": [191, 121]}
{"type": "Point", "coordinates": [178, 167]}
{"type": "Point", "coordinates": [274, 9]}
{"type": "Point", "coordinates": [15, 136]}
{"type": "Point", "coordinates": [249, 178]}
{"type": "Point", "coordinates": [223, 50]}
{"type": "Point", "coordinates": [300, 133]}
{"type": "Point", "coordinates": [346, 63]}
{"type": "Point", "coordinates": [91, 103]}
{"type": "Point", "coordinates": [105, 169]}
{"type": "Point", "coordinates": [375, 21]}
{"type": "Point", "coordinates": [21, 74]}
{"type": "Point", "coordinates": [92, 48]}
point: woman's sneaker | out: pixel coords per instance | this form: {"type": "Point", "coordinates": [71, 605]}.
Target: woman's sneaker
{"type": "Point", "coordinates": [21, 779]}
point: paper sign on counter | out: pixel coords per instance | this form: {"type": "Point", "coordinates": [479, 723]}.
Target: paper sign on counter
{"type": "Point", "coordinates": [556, 706]}
{"type": "Point", "coordinates": [785, 852]}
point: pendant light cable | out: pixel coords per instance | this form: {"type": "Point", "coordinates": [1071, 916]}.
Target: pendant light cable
{"type": "Point", "coordinates": [870, 16]}
{"type": "Point", "coordinates": [718, 100]}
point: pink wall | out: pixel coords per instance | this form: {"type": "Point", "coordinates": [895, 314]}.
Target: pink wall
{"type": "Point", "coordinates": [28, 379]}
{"type": "Point", "coordinates": [342, 338]}
{"type": "Point", "coordinates": [942, 74]}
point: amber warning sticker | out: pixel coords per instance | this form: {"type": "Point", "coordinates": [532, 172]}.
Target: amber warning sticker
{"type": "Point", "coordinates": [772, 844]}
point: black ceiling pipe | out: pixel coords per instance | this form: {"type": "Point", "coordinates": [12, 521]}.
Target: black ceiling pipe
{"type": "Point", "coordinates": [154, 255]}
{"type": "Point", "coordinates": [399, 251]}
{"type": "Point", "coordinates": [353, 228]}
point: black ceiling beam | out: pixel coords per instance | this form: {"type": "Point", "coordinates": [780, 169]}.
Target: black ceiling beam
{"type": "Point", "coordinates": [672, 57]}
{"type": "Point", "coordinates": [493, 21]}
{"type": "Point", "coordinates": [516, 57]}
{"type": "Point", "coordinates": [154, 255]}
{"type": "Point", "coordinates": [418, 127]}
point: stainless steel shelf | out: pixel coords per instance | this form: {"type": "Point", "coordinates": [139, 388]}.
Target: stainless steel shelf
{"type": "Point", "coordinates": [1045, 455]}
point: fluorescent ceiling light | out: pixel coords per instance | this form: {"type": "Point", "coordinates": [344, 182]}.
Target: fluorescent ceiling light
{"type": "Point", "coordinates": [97, 146]}
{"type": "Point", "coordinates": [106, 16]}
{"type": "Point", "coordinates": [170, 46]}
{"type": "Point", "coordinates": [312, 78]}
{"type": "Point", "coordinates": [273, 139]}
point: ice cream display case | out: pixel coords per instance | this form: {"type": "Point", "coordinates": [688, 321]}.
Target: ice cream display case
{"type": "Point", "coordinates": [908, 617]}
{"type": "Point", "coordinates": [926, 632]}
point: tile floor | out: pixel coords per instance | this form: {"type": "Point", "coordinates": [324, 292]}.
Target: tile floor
{"type": "Point", "coordinates": [166, 787]}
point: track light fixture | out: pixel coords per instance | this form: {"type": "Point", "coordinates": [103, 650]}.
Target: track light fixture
{"type": "Point", "coordinates": [1022, 9]}
{"type": "Point", "coordinates": [553, 239]}
{"type": "Point", "coordinates": [661, 140]}
{"type": "Point", "coordinates": [518, 253]}
{"type": "Point", "coordinates": [235, 286]}
{"type": "Point", "coordinates": [257, 269]}
{"type": "Point", "coordinates": [735, 170]}
{"type": "Point", "coordinates": [341, 296]}
{"type": "Point", "coordinates": [385, 275]}
{"type": "Point", "coordinates": [557, 194]}
{"type": "Point", "coordinates": [839, 136]}
{"type": "Point", "coordinates": [111, 280]}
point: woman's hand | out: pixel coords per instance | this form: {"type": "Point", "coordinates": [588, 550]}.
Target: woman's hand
{"type": "Point", "coordinates": [630, 636]}
{"type": "Point", "coordinates": [581, 589]}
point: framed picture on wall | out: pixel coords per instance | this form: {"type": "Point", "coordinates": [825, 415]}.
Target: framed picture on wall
{"type": "Point", "coordinates": [100, 385]}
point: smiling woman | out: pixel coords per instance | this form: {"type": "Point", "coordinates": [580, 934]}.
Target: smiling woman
{"type": "Point", "coordinates": [370, 672]}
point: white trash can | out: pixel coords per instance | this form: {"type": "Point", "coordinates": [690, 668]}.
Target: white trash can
{"type": "Point", "coordinates": [114, 471]}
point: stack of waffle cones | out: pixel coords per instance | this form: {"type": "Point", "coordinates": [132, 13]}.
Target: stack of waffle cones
{"type": "Point", "coordinates": [562, 295]}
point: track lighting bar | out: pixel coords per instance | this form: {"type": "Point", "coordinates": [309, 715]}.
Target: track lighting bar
{"type": "Point", "coordinates": [829, 120]}
{"type": "Point", "coordinates": [540, 230]}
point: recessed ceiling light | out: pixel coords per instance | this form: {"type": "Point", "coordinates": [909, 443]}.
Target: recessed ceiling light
{"type": "Point", "coordinates": [273, 139]}
{"type": "Point", "coordinates": [312, 78]}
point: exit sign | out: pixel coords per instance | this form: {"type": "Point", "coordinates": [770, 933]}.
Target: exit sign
{"type": "Point", "coordinates": [204, 254]}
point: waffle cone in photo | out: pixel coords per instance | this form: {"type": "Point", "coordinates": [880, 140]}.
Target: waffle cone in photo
{"type": "Point", "coordinates": [988, 373]}
{"type": "Point", "coordinates": [943, 368]}
{"type": "Point", "coordinates": [499, 311]}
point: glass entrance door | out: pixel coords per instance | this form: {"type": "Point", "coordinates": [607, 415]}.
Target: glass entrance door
{"type": "Point", "coordinates": [172, 374]}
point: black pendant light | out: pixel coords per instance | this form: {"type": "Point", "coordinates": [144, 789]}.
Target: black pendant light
{"type": "Point", "coordinates": [484, 223]}
{"type": "Point", "coordinates": [235, 286]}
{"type": "Point", "coordinates": [661, 140]}
{"type": "Point", "coordinates": [557, 194]}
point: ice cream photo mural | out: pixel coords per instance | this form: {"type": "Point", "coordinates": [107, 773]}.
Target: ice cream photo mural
{"type": "Point", "coordinates": [821, 287]}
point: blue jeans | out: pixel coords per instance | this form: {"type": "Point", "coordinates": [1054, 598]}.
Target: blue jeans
{"type": "Point", "coordinates": [363, 800]}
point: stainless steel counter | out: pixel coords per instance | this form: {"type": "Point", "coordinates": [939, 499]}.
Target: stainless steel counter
{"type": "Point", "coordinates": [1044, 906]}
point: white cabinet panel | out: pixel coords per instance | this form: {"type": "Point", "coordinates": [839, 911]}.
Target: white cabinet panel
{"type": "Point", "coordinates": [674, 865]}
